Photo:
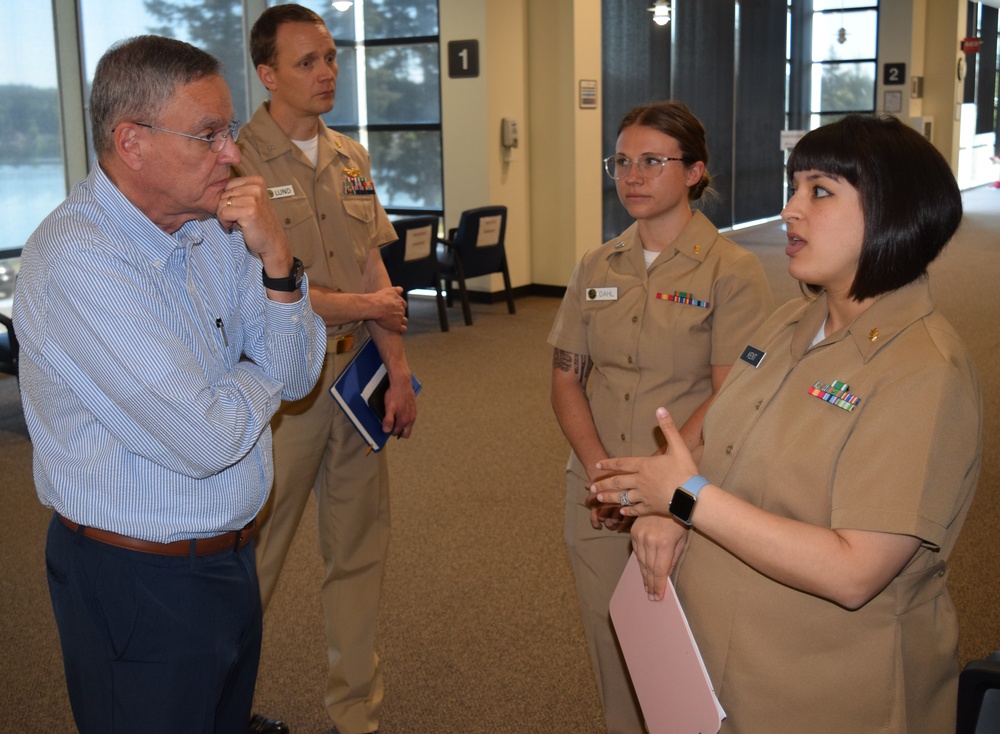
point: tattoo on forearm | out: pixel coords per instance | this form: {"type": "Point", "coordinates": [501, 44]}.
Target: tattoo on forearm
{"type": "Point", "coordinates": [561, 360]}
{"type": "Point", "coordinates": [579, 364]}
{"type": "Point", "coordinates": [582, 363]}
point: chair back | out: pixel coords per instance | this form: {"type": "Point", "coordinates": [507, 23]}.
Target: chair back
{"type": "Point", "coordinates": [479, 240]}
{"type": "Point", "coordinates": [411, 260]}
{"type": "Point", "coordinates": [979, 696]}
{"type": "Point", "coordinates": [9, 349]}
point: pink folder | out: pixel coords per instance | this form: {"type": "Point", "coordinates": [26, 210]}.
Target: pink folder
{"type": "Point", "coordinates": [667, 671]}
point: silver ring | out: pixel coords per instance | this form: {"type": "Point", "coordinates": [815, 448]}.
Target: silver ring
{"type": "Point", "coordinates": [623, 499]}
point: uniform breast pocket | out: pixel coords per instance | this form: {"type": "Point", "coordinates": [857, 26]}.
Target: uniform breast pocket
{"type": "Point", "coordinates": [608, 306]}
{"type": "Point", "coordinates": [299, 222]}
{"type": "Point", "coordinates": [361, 208]}
{"type": "Point", "coordinates": [293, 211]}
{"type": "Point", "coordinates": [361, 227]}
{"type": "Point", "coordinates": [692, 319]}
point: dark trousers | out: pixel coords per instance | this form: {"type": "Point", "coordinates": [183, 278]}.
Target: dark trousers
{"type": "Point", "coordinates": [155, 644]}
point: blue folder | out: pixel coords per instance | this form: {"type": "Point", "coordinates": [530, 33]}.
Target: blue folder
{"type": "Point", "coordinates": [360, 392]}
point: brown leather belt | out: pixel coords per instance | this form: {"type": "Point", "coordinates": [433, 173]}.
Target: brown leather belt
{"type": "Point", "coordinates": [202, 546]}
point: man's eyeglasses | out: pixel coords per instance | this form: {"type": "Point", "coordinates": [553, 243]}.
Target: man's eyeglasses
{"type": "Point", "coordinates": [648, 166]}
{"type": "Point", "coordinates": [216, 141]}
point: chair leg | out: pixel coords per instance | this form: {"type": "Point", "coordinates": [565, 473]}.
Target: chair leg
{"type": "Point", "coordinates": [462, 291]}
{"type": "Point", "coordinates": [442, 311]}
{"type": "Point", "coordinates": [507, 289]}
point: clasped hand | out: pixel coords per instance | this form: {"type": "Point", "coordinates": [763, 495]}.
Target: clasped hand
{"type": "Point", "coordinates": [649, 483]}
{"type": "Point", "coordinates": [390, 309]}
{"type": "Point", "coordinates": [646, 482]}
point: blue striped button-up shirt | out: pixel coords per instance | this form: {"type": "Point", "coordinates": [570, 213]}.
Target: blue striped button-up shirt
{"type": "Point", "coordinates": [151, 365]}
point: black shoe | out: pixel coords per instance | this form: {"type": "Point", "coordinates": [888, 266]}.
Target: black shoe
{"type": "Point", "coordinates": [262, 725]}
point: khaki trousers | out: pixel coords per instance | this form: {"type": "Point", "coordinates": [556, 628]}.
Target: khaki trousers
{"type": "Point", "coordinates": [317, 449]}
{"type": "Point", "coordinates": [598, 558]}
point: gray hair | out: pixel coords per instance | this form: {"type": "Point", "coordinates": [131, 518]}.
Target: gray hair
{"type": "Point", "coordinates": [136, 78]}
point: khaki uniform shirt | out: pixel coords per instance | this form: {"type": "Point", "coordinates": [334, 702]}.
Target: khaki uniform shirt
{"type": "Point", "coordinates": [330, 213]}
{"type": "Point", "coordinates": [904, 460]}
{"type": "Point", "coordinates": [650, 346]}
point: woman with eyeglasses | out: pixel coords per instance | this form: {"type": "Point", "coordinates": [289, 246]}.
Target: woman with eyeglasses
{"type": "Point", "coordinates": [838, 470]}
{"type": "Point", "coordinates": [657, 315]}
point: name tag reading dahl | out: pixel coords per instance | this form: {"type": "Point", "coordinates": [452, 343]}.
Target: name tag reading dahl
{"type": "Point", "coordinates": [280, 192]}
{"type": "Point", "coordinates": [609, 293]}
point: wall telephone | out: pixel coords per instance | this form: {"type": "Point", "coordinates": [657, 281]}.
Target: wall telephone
{"type": "Point", "coordinates": [508, 133]}
{"type": "Point", "coordinates": [508, 137]}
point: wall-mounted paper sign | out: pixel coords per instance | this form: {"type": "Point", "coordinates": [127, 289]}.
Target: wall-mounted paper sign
{"type": "Point", "coordinates": [893, 101]}
{"type": "Point", "coordinates": [790, 137]}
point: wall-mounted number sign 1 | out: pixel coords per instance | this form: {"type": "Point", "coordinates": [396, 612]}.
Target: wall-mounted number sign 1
{"type": "Point", "coordinates": [463, 59]}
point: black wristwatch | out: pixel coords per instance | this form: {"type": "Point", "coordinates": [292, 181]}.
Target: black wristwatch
{"type": "Point", "coordinates": [287, 285]}
{"type": "Point", "coordinates": [686, 497]}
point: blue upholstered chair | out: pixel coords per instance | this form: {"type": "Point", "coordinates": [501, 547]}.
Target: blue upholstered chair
{"type": "Point", "coordinates": [411, 261]}
{"type": "Point", "coordinates": [474, 248]}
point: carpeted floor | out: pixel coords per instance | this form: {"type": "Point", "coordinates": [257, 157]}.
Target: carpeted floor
{"type": "Point", "coordinates": [479, 628]}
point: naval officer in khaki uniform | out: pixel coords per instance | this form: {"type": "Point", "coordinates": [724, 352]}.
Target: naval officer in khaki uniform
{"type": "Point", "coordinates": [321, 187]}
{"type": "Point", "coordinates": [839, 464]}
{"type": "Point", "coordinates": [657, 314]}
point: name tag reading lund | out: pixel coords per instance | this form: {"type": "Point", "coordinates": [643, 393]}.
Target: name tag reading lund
{"type": "Point", "coordinates": [280, 192]}
{"type": "Point", "coordinates": [603, 294]}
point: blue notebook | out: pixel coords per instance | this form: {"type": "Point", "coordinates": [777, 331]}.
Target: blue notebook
{"type": "Point", "coordinates": [360, 392]}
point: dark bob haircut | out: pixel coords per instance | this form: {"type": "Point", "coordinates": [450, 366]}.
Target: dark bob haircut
{"type": "Point", "coordinates": [910, 200]}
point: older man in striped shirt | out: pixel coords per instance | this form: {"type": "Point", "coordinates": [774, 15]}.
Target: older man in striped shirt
{"type": "Point", "coordinates": [162, 320]}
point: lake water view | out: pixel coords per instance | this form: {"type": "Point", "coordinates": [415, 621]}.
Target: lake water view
{"type": "Point", "coordinates": [27, 194]}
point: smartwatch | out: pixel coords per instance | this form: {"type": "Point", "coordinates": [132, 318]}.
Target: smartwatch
{"type": "Point", "coordinates": [686, 497]}
{"type": "Point", "coordinates": [287, 285]}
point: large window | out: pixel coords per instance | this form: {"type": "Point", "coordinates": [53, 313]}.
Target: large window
{"type": "Point", "coordinates": [980, 126]}
{"type": "Point", "coordinates": [32, 181]}
{"type": "Point", "coordinates": [213, 25]}
{"type": "Point", "coordinates": [388, 95]}
{"type": "Point", "coordinates": [832, 60]}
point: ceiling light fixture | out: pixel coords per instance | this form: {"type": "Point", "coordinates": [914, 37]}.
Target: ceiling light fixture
{"type": "Point", "coordinates": [342, 5]}
{"type": "Point", "coordinates": [661, 12]}
{"type": "Point", "coordinates": [842, 31]}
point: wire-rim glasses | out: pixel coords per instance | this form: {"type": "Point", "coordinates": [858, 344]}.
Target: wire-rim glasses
{"type": "Point", "coordinates": [216, 141]}
{"type": "Point", "coordinates": [648, 166]}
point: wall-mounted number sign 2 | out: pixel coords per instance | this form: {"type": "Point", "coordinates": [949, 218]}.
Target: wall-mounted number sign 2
{"type": "Point", "coordinates": [894, 74]}
{"type": "Point", "coordinates": [463, 59]}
